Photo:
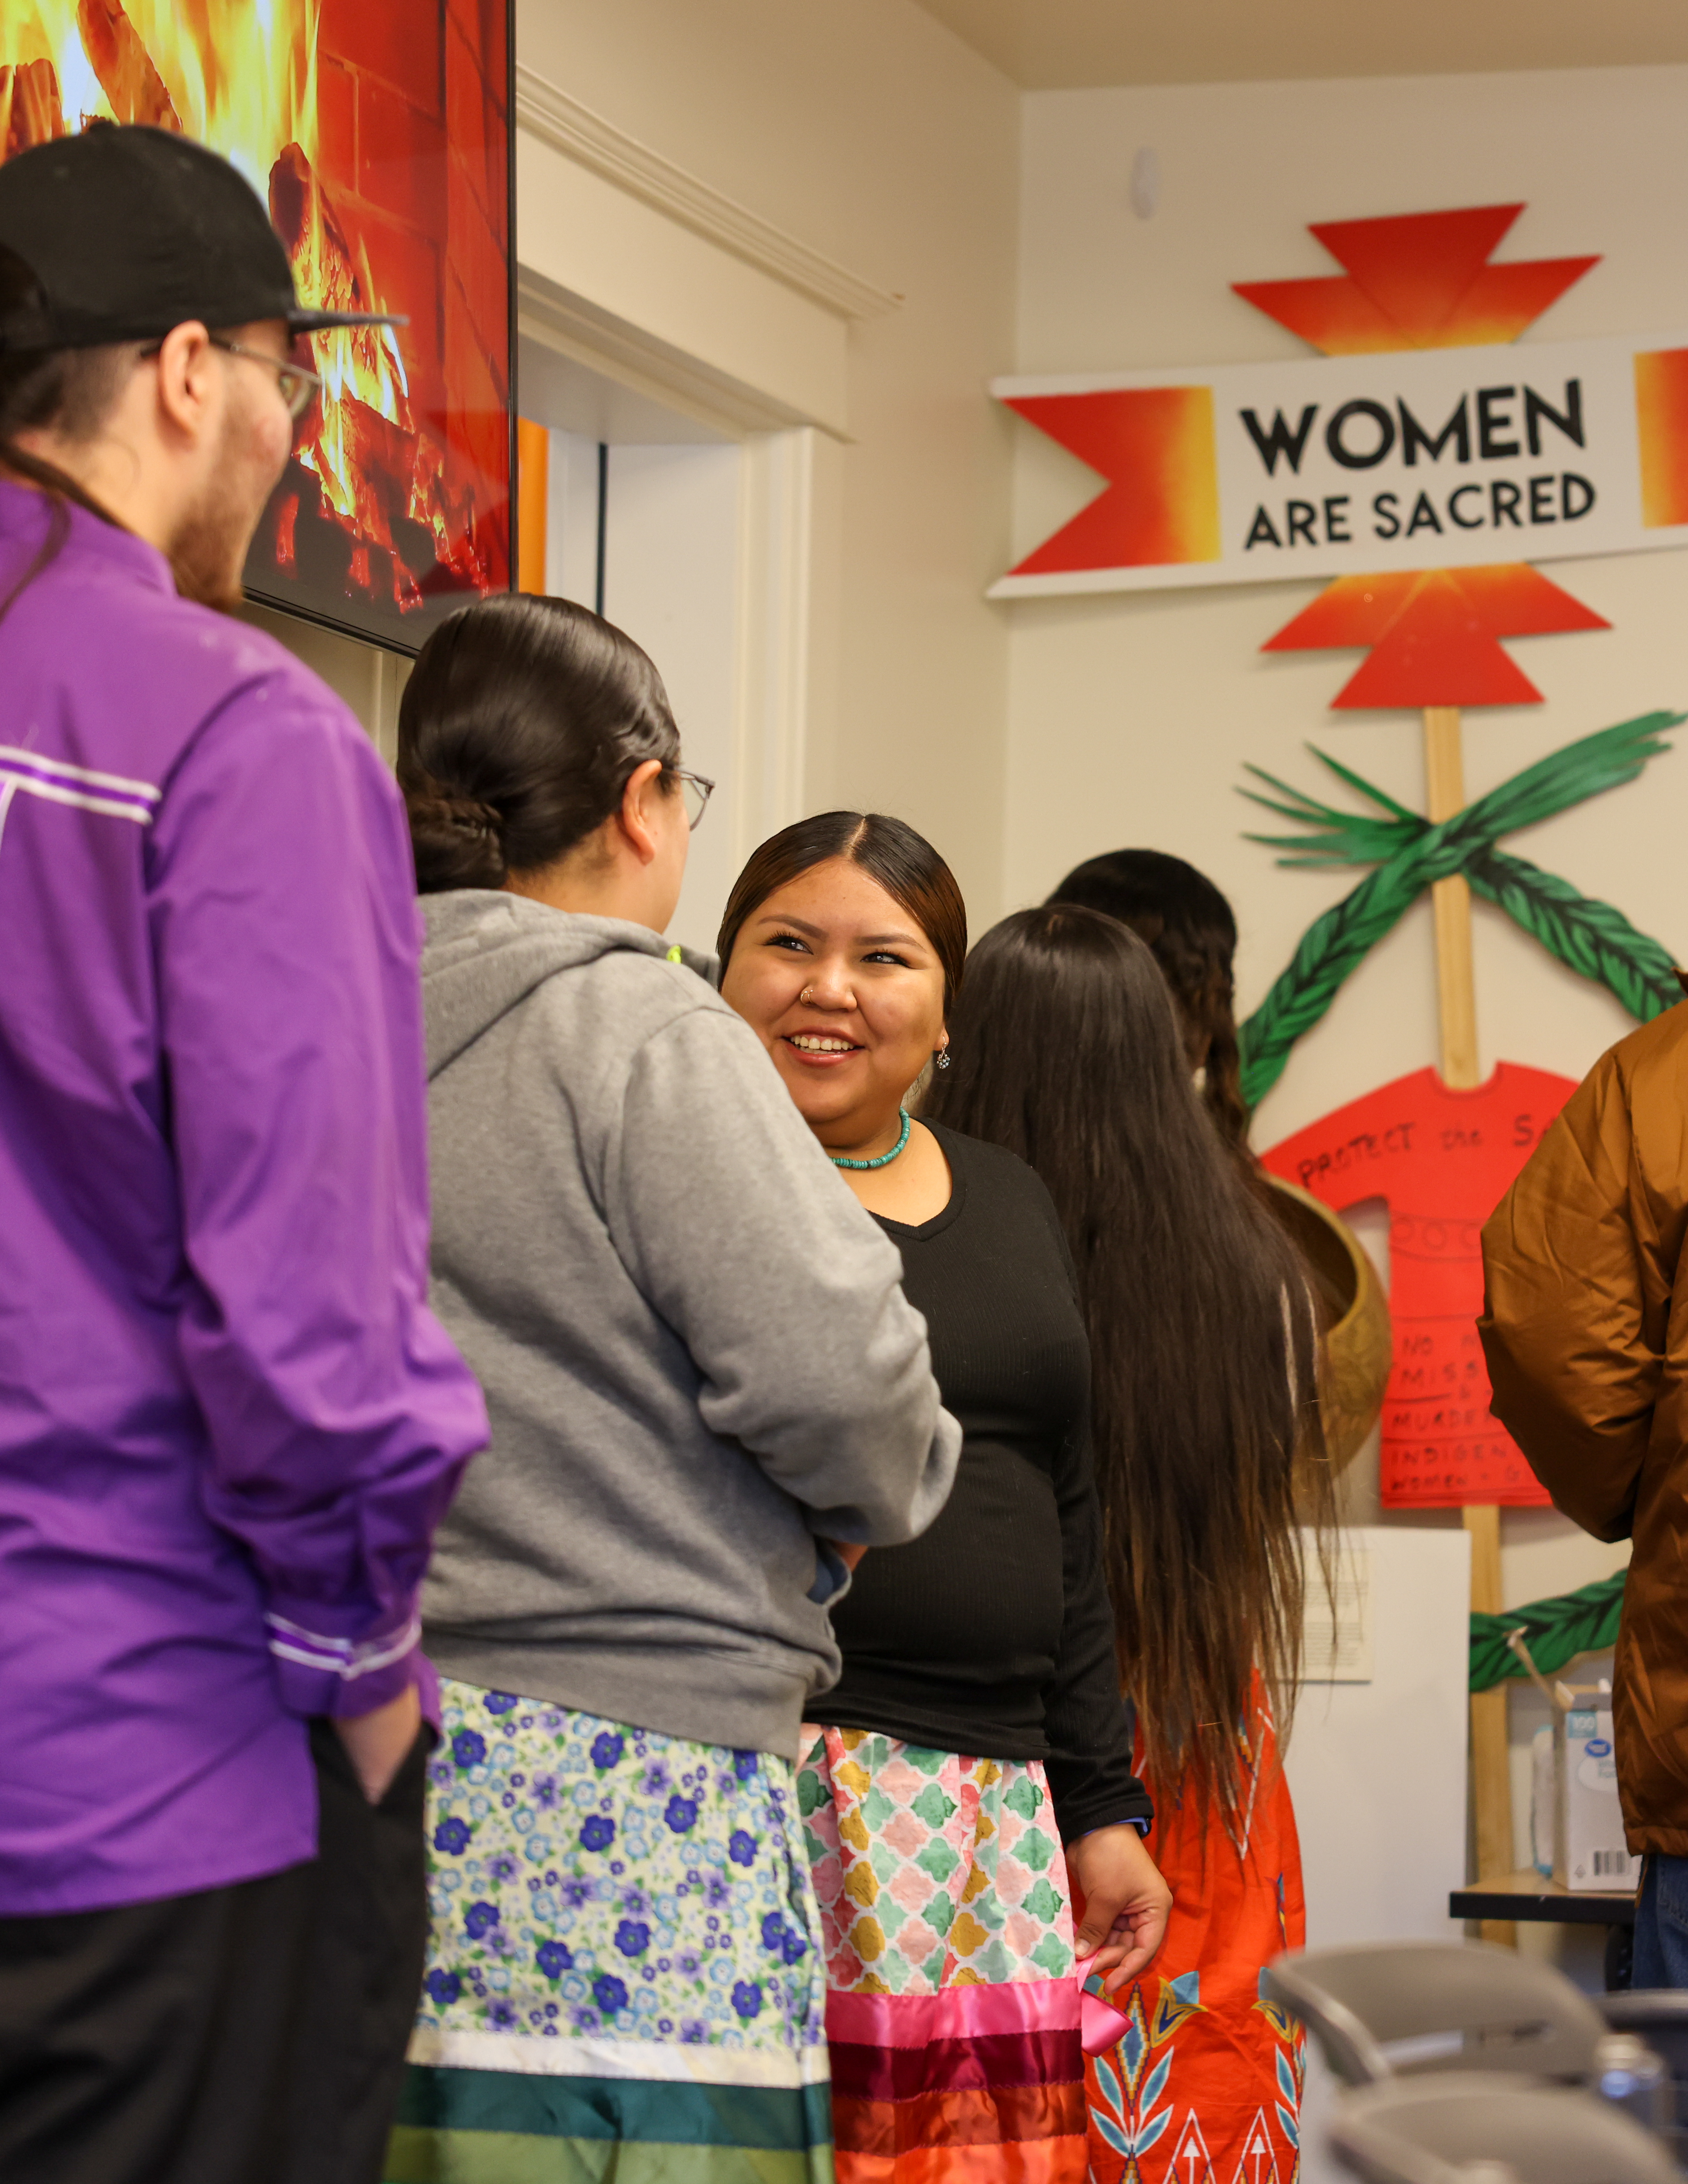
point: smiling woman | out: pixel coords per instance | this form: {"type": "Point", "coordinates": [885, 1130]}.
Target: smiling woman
{"type": "Point", "coordinates": [978, 1676]}
{"type": "Point", "coordinates": [843, 945]}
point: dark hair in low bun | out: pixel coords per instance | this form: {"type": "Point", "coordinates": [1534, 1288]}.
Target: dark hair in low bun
{"type": "Point", "coordinates": [520, 726]}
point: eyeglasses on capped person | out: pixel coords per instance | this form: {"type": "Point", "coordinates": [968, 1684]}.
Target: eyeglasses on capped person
{"type": "Point", "coordinates": [299, 387]}
{"type": "Point", "coordinates": [696, 790]}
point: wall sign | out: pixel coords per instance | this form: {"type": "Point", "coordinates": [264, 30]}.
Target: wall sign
{"type": "Point", "coordinates": [1340, 465]}
{"type": "Point", "coordinates": [1408, 443]}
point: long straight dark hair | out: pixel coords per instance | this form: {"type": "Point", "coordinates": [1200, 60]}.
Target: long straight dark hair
{"type": "Point", "coordinates": [1204, 1409]}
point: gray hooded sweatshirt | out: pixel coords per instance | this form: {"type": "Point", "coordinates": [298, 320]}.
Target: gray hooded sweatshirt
{"type": "Point", "coordinates": [696, 1353]}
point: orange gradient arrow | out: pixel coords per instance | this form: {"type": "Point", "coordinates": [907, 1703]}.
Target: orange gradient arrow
{"type": "Point", "coordinates": [1154, 446]}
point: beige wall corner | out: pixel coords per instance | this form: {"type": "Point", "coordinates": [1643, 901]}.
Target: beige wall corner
{"type": "Point", "coordinates": [878, 142]}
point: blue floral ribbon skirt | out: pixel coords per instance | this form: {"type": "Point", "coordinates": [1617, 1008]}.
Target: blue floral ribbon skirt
{"type": "Point", "coordinates": [624, 1974]}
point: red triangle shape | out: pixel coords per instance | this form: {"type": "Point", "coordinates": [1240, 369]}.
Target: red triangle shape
{"type": "Point", "coordinates": [1418, 279]}
{"type": "Point", "coordinates": [1434, 633]}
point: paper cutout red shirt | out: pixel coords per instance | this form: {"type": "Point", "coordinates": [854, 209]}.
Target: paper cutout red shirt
{"type": "Point", "coordinates": [1443, 1160]}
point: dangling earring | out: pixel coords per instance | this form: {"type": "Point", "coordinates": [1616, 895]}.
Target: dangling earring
{"type": "Point", "coordinates": [940, 1059]}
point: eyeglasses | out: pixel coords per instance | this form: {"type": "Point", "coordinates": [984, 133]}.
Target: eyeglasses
{"type": "Point", "coordinates": [696, 790]}
{"type": "Point", "coordinates": [299, 387]}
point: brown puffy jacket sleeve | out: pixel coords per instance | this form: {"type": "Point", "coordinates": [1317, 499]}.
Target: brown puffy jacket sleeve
{"type": "Point", "coordinates": [1580, 1260]}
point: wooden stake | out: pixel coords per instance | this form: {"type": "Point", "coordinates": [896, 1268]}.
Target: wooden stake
{"type": "Point", "coordinates": [1491, 1776]}
{"type": "Point", "coordinates": [1491, 1781]}
{"type": "Point", "coordinates": [1451, 901]}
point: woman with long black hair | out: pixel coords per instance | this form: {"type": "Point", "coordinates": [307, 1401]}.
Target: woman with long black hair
{"type": "Point", "coordinates": [1204, 1420]}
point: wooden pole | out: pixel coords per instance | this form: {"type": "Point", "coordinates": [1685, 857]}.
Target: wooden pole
{"type": "Point", "coordinates": [1450, 902]}
{"type": "Point", "coordinates": [1491, 1779]}
{"type": "Point", "coordinates": [1491, 1782]}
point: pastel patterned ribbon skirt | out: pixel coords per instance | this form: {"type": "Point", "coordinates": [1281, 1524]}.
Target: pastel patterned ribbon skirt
{"type": "Point", "coordinates": [952, 2010]}
{"type": "Point", "coordinates": [625, 1976]}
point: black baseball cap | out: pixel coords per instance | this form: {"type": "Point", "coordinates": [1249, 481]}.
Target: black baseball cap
{"type": "Point", "coordinates": [126, 232]}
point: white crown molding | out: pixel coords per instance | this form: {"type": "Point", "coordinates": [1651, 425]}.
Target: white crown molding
{"type": "Point", "coordinates": [575, 328]}
{"type": "Point", "coordinates": [578, 134]}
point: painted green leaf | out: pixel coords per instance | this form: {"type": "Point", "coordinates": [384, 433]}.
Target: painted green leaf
{"type": "Point", "coordinates": [1411, 855]}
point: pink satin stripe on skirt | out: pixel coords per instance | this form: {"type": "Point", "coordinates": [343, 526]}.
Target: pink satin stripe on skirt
{"type": "Point", "coordinates": [952, 2009]}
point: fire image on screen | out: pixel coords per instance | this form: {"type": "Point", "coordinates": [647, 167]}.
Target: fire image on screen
{"type": "Point", "coordinates": [377, 131]}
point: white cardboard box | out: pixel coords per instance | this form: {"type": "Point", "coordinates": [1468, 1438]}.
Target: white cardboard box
{"type": "Point", "coordinates": [1588, 1850]}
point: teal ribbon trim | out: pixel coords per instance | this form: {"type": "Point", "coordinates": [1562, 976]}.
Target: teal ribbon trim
{"type": "Point", "coordinates": [775, 2119]}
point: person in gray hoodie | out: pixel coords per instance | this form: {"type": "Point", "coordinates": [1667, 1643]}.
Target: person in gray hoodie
{"type": "Point", "coordinates": [708, 1393]}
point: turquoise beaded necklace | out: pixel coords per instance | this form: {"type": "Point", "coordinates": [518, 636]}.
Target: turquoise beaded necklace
{"type": "Point", "coordinates": [884, 1159]}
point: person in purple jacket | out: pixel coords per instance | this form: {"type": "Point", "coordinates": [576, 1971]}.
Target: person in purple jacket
{"type": "Point", "coordinates": [228, 1423]}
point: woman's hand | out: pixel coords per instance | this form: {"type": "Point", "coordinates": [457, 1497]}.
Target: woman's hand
{"type": "Point", "coordinates": [1125, 1903]}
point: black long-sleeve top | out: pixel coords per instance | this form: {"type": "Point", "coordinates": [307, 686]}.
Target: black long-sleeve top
{"type": "Point", "coordinates": [993, 1634]}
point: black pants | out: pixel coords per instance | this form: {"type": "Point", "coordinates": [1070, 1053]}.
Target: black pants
{"type": "Point", "coordinates": [248, 2035]}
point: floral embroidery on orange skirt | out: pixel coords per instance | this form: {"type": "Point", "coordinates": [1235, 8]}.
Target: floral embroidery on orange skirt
{"type": "Point", "coordinates": [1205, 2087]}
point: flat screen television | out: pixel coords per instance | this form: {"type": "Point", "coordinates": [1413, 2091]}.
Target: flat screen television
{"type": "Point", "coordinates": [378, 133]}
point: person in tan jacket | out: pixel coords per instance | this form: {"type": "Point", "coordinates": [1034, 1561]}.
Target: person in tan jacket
{"type": "Point", "coordinates": [1585, 1329]}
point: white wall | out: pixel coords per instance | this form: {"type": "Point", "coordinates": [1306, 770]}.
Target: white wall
{"type": "Point", "coordinates": [874, 136]}
{"type": "Point", "coordinates": [1377, 1768]}
{"type": "Point", "coordinates": [369, 680]}
{"type": "Point", "coordinates": [572, 516]}
{"type": "Point", "coordinates": [671, 570]}
{"type": "Point", "coordinates": [1132, 717]}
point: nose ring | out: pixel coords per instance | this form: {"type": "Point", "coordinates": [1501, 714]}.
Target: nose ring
{"type": "Point", "coordinates": [804, 995]}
